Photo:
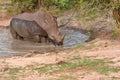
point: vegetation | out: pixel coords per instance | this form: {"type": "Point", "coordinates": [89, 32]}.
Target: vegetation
{"type": "Point", "coordinates": [88, 8]}
{"type": "Point", "coordinates": [85, 8]}
{"type": "Point", "coordinates": [74, 64]}
{"type": "Point", "coordinates": [67, 78]}
{"type": "Point", "coordinates": [97, 65]}
{"type": "Point", "coordinates": [31, 5]}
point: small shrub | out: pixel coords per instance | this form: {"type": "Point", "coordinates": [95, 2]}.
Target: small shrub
{"type": "Point", "coordinates": [91, 5]}
{"type": "Point", "coordinates": [116, 32]}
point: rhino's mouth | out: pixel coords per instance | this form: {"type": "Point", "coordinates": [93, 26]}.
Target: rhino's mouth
{"type": "Point", "coordinates": [55, 43]}
{"type": "Point", "coordinates": [60, 44]}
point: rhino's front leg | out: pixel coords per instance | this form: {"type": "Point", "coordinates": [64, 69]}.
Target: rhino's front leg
{"type": "Point", "coordinates": [47, 41]}
{"type": "Point", "coordinates": [19, 37]}
{"type": "Point", "coordinates": [37, 38]}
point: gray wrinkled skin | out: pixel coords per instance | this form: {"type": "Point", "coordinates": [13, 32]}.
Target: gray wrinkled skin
{"type": "Point", "coordinates": [21, 29]}
{"type": "Point", "coordinates": [47, 22]}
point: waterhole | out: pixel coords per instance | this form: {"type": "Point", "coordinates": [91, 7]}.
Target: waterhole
{"type": "Point", "coordinates": [10, 46]}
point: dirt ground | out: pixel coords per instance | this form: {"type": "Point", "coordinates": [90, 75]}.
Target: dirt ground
{"type": "Point", "coordinates": [35, 66]}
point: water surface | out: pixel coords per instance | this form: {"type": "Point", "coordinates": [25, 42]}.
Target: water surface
{"type": "Point", "coordinates": [10, 46]}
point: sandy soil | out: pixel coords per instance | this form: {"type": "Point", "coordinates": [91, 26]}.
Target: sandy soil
{"type": "Point", "coordinates": [99, 49]}
{"type": "Point", "coordinates": [4, 22]}
{"type": "Point", "coordinates": [110, 52]}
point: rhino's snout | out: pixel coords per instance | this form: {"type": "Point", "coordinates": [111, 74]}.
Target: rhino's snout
{"type": "Point", "coordinates": [60, 43]}
{"type": "Point", "coordinates": [57, 40]}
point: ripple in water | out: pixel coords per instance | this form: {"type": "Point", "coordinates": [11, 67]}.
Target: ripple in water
{"type": "Point", "coordinates": [73, 37]}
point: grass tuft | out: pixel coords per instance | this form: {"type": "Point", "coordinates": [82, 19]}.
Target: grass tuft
{"type": "Point", "coordinates": [66, 78]}
{"type": "Point", "coordinates": [97, 65]}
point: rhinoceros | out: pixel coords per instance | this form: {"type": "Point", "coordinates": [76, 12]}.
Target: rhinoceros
{"type": "Point", "coordinates": [47, 22]}
{"type": "Point", "coordinates": [22, 29]}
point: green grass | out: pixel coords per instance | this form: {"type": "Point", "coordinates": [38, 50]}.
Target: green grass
{"type": "Point", "coordinates": [97, 65]}
{"type": "Point", "coordinates": [66, 78]}
{"type": "Point", "coordinates": [68, 66]}
{"type": "Point", "coordinates": [92, 63]}
{"type": "Point", "coordinates": [79, 46]}
{"type": "Point", "coordinates": [73, 64]}
{"type": "Point", "coordinates": [116, 32]}
{"type": "Point", "coordinates": [87, 14]}
{"type": "Point", "coordinates": [0, 7]}
{"type": "Point", "coordinates": [114, 78]}
{"type": "Point", "coordinates": [52, 68]}
{"type": "Point", "coordinates": [47, 69]}
{"type": "Point", "coordinates": [89, 45]}
{"type": "Point", "coordinates": [106, 69]}
{"type": "Point", "coordinates": [14, 71]}
{"type": "Point", "coordinates": [11, 78]}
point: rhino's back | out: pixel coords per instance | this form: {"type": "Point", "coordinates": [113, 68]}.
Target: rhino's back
{"type": "Point", "coordinates": [25, 16]}
{"type": "Point", "coordinates": [42, 18]}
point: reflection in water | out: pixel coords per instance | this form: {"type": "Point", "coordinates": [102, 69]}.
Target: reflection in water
{"type": "Point", "coordinates": [9, 46]}
{"type": "Point", "coordinates": [19, 45]}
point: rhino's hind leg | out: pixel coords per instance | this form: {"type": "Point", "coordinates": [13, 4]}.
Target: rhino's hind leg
{"type": "Point", "coordinates": [14, 34]}
{"type": "Point", "coordinates": [47, 41]}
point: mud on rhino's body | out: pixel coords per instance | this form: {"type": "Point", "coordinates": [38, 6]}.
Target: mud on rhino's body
{"type": "Point", "coordinates": [47, 22]}
{"type": "Point", "coordinates": [22, 29]}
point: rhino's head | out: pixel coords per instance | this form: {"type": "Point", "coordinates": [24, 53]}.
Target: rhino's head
{"type": "Point", "coordinates": [57, 39]}
{"type": "Point", "coordinates": [52, 29]}
{"type": "Point", "coordinates": [60, 40]}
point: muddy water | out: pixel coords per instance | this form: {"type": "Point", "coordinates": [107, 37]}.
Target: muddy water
{"type": "Point", "coordinates": [10, 47]}
{"type": "Point", "coordinates": [73, 37]}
